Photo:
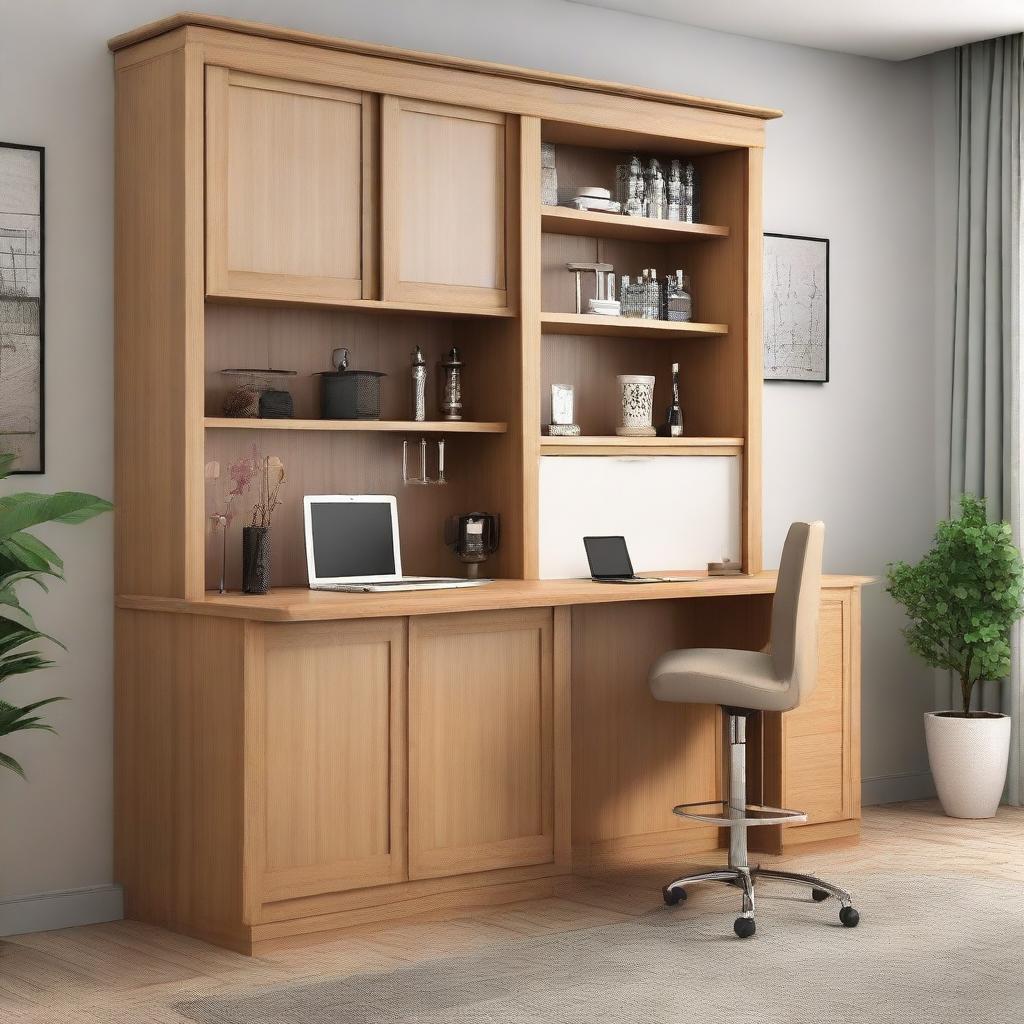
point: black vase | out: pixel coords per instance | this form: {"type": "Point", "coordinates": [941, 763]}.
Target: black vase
{"type": "Point", "coordinates": [256, 559]}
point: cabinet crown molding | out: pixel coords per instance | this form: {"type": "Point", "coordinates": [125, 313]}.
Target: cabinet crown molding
{"type": "Point", "coordinates": [255, 28]}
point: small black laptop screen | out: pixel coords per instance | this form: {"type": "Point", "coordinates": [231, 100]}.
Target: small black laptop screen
{"type": "Point", "coordinates": [352, 538]}
{"type": "Point", "coordinates": [608, 556]}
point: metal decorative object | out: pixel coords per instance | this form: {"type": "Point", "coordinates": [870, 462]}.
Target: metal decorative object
{"type": "Point", "coordinates": [419, 386]}
{"type": "Point", "coordinates": [256, 559]}
{"type": "Point", "coordinates": [349, 394]}
{"type": "Point", "coordinates": [600, 272]}
{"type": "Point", "coordinates": [451, 386]}
{"type": "Point", "coordinates": [562, 424]}
{"type": "Point", "coordinates": [423, 480]}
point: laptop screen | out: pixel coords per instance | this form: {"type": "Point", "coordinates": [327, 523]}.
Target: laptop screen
{"type": "Point", "coordinates": [608, 557]}
{"type": "Point", "coordinates": [352, 538]}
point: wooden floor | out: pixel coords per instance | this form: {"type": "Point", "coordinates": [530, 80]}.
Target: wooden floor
{"type": "Point", "coordinates": [127, 973]}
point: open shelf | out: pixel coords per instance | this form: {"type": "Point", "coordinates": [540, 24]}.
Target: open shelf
{"type": "Point", "coordinates": [564, 220]}
{"type": "Point", "coordinates": [395, 426]}
{"type": "Point", "coordinates": [625, 327]}
{"type": "Point", "coordinates": [615, 445]}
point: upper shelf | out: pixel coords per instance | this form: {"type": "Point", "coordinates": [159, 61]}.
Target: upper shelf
{"type": "Point", "coordinates": [625, 327]}
{"type": "Point", "coordinates": [397, 426]}
{"type": "Point", "coordinates": [562, 220]}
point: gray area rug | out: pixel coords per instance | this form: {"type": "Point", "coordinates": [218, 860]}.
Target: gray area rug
{"type": "Point", "coordinates": [929, 950]}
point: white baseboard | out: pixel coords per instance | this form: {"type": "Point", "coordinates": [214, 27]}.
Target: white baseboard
{"type": "Point", "coordinates": [44, 911]}
{"type": "Point", "coordinates": [891, 789]}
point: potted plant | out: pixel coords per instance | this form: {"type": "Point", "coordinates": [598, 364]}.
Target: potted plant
{"type": "Point", "coordinates": [24, 558]}
{"type": "Point", "coordinates": [961, 600]}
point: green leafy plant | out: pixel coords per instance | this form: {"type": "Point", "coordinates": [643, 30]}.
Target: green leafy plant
{"type": "Point", "coordinates": [24, 558]}
{"type": "Point", "coordinates": [963, 597]}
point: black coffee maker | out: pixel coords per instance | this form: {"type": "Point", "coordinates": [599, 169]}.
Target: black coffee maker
{"type": "Point", "coordinates": [473, 537]}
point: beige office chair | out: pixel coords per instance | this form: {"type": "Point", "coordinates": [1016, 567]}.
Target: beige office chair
{"type": "Point", "coordinates": [743, 683]}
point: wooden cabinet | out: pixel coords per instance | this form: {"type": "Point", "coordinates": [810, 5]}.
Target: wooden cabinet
{"type": "Point", "coordinates": [290, 180]}
{"type": "Point", "coordinates": [325, 776]}
{"type": "Point", "coordinates": [481, 758]}
{"type": "Point", "coordinates": [821, 738]}
{"type": "Point", "coordinates": [443, 194]}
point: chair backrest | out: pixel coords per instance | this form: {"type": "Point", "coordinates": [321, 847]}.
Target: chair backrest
{"type": "Point", "coordinates": [794, 648]}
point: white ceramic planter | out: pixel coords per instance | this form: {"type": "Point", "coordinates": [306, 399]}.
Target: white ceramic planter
{"type": "Point", "coordinates": [968, 758]}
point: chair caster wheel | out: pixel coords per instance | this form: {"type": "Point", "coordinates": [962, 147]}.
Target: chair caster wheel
{"type": "Point", "coordinates": [744, 927]}
{"type": "Point", "coordinates": [849, 917]}
{"type": "Point", "coordinates": [819, 895]}
{"type": "Point", "coordinates": [673, 896]}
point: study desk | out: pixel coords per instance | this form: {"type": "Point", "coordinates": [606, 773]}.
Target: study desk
{"type": "Point", "coordinates": [300, 762]}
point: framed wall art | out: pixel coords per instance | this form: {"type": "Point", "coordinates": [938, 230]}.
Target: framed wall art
{"type": "Point", "coordinates": [795, 308]}
{"type": "Point", "coordinates": [21, 305]}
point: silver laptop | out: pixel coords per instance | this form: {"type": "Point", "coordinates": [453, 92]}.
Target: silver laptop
{"type": "Point", "coordinates": [352, 544]}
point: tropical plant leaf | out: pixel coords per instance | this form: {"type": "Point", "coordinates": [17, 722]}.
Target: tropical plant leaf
{"type": "Point", "coordinates": [31, 553]}
{"type": "Point", "coordinates": [10, 609]}
{"type": "Point", "coordinates": [20, 511]}
{"type": "Point", "coordinates": [19, 664]}
{"type": "Point", "coordinates": [6, 461]}
{"type": "Point", "coordinates": [8, 580]}
{"type": "Point", "coordinates": [8, 762]}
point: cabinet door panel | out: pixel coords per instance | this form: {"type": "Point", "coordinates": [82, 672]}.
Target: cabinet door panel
{"type": "Point", "coordinates": [289, 188]}
{"type": "Point", "coordinates": [818, 738]}
{"type": "Point", "coordinates": [480, 742]}
{"type": "Point", "coordinates": [330, 736]}
{"type": "Point", "coordinates": [444, 199]}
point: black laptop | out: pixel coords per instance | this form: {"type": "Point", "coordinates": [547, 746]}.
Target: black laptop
{"type": "Point", "coordinates": [610, 563]}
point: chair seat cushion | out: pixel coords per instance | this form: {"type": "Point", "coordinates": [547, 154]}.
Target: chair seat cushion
{"type": "Point", "coordinates": [705, 675]}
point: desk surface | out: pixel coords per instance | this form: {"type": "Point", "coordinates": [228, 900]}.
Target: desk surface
{"type": "Point", "coordinates": [298, 604]}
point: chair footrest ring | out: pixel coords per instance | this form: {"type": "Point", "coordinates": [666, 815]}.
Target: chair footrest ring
{"type": "Point", "coordinates": [719, 812]}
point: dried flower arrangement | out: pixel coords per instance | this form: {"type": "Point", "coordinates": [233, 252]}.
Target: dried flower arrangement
{"type": "Point", "coordinates": [271, 479]}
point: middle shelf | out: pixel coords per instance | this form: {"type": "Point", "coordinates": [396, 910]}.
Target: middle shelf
{"type": "Point", "coordinates": [395, 426]}
{"type": "Point", "coordinates": [625, 327]}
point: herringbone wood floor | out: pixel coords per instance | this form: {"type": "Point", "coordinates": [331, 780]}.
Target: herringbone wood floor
{"type": "Point", "coordinates": [128, 973]}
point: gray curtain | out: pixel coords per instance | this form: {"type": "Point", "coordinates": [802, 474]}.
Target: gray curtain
{"type": "Point", "coordinates": [985, 441]}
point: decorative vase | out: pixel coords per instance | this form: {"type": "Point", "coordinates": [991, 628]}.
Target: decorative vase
{"type": "Point", "coordinates": [256, 559]}
{"type": "Point", "coordinates": [968, 758]}
{"type": "Point", "coordinates": [637, 394]}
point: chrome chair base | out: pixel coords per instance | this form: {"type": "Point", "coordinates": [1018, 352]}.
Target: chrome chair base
{"type": "Point", "coordinates": [744, 878]}
{"type": "Point", "coordinates": [737, 815]}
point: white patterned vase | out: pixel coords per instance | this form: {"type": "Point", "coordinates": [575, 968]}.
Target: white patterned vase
{"type": "Point", "coordinates": [637, 393]}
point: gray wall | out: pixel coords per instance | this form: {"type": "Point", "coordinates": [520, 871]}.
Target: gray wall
{"type": "Point", "coordinates": [852, 160]}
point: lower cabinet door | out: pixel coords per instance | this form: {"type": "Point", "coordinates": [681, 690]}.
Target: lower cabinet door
{"type": "Point", "coordinates": [481, 775]}
{"type": "Point", "coordinates": [326, 758]}
{"type": "Point", "coordinates": [820, 738]}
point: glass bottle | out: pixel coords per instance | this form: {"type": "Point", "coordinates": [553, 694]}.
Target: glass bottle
{"type": "Point", "coordinates": [674, 191]}
{"type": "Point", "coordinates": [690, 197]}
{"type": "Point", "coordinates": [635, 201]}
{"type": "Point", "coordinates": [673, 426]}
{"type": "Point", "coordinates": [679, 301]}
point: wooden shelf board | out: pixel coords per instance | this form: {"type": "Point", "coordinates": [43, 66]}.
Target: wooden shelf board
{"type": "Point", "coordinates": [615, 445]}
{"type": "Point", "coordinates": [625, 327]}
{"type": "Point", "coordinates": [563, 220]}
{"type": "Point", "coordinates": [359, 305]}
{"type": "Point", "coordinates": [395, 426]}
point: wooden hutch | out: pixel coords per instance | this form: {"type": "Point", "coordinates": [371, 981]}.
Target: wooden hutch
{"type": "Point", "coordinates": [296, 763]}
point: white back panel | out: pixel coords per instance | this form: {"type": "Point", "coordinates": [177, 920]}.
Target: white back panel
{"type": "Point", "coordinates": [675, 512]}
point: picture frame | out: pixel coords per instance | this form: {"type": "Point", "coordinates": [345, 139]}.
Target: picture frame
{"type": "Point", "coordinates": [796, 308]}
{"type": "Point", "coordinates": [23, 305]}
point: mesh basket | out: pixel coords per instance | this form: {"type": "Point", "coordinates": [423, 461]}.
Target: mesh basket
{"type": "Point", "coordinates": [350, 395]}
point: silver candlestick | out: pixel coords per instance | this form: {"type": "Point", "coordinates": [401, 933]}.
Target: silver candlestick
{"type": "Point", "coordinates": [419, 386]}
{"type": "Point", "coordinates": [451, 386]}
